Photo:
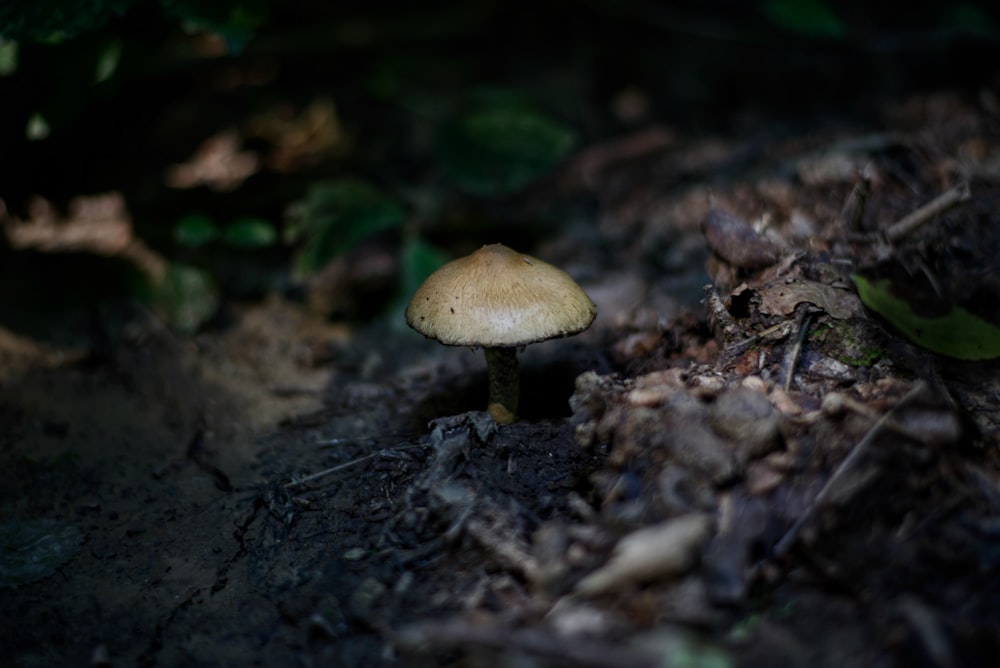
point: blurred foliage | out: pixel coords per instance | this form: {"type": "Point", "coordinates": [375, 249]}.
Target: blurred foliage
{"type": "Point", "coordinates": [967, 17]}
{"type": "Point", "coordinates": [944, 329]}
{"type": "Point", "coordinates": [8, 57]}
{"type": "Point", "coordinates": [186, 297]}
{"type": "Point", "coordinates": [419, 260]}
{"type": "Point", "coordinates": [235, 20]}
{"type": "Point", "coordinates": [335, 217]}
{"type": "Point", "coordinates": [250, 233]}
{"type": "Point", "coordinates": [497, 144]}
{"type": "Point", "coordinates": [813, 18]}
{"type": "Point", "coordinates": [414, 81]}
{"type": "Point", "coordinates": [107, 60]}
{"type": "Point", "coordinates": [56, 20]}
{"type": "Point", "coordinates": [197, 229]}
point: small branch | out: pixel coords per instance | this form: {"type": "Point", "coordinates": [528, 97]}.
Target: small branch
{"type": "Point", "coordinates": [719, 314]}
{"type": "Point", "coordinates": [792, 359]}
{"type": "Point", "coordinates": [781, 328]}
{"type": "Point", "coordinates": [340, 467]}
{"type": "Point", "coordinates": [936, 206]}
{"type": "Point", "coordinates": [854, 206]}
{"type": "Point", "coordinates": [326, 472]}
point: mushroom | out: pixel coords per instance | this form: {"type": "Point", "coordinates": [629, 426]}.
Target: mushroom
{"type": "Point", "coordinates": [501, 300]}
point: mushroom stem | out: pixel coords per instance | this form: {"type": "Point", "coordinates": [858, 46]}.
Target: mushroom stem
{"type": "Point", "coordinates": [505, 386]}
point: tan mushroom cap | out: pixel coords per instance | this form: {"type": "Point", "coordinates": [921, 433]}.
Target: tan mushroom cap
{"type": "Point", "coordinates": [497, 297]}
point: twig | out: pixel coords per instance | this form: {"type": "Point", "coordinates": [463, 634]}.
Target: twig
{"type": "Point", "coordinates": [854, 206]}
{"type": "Point", "coordinates": [758, 336]}
{"type": "Point", "coordinates": [792, 358]}
{"type": "Point", "coordinates": [325, 472]}
{"type": "Point", "coordinates": [340, 467]}
{"type": "Point", "coordinates": [719, 312]}
{"type": "Point", "coordinates": [928, 629]}
{"type": "Point", "coordinates": [938, 205]}
{"type": "Point", "coordinates": [835, 402]}
{"type": "Point", "coordinates": [792, 534]}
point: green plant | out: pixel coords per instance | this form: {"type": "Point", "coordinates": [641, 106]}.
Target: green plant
{"type": "Point", "coordinates": [498, 143]}
{"type": "Point", "coordinates": [948, 330]}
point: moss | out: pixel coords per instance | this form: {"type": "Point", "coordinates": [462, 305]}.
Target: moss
{"type": "Point", "coordinates": [841, 340]}
{"type": "Point", "coordinates": [866, 357]}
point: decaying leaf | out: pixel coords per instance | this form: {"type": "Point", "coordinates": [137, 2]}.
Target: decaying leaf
{"type": "Point", "coordinates": [781, 298]}
{"type": "Point", "coordinates": [299, 138]}
{"type": "Point", "coordinates": [97, 224]}
{"type": "Point", "coordinates": [218, 164]}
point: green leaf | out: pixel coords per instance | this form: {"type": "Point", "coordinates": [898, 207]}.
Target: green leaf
{"type": "Point", "coordinates": [186, 297]}
{"type": "Point", "coordinates": [235, 20]}
{"type": "Point", "coordinates": [37, 128]}
{"type": "Point", "coordinates": [419, 260]}
{"type": "Point", "coordinates": [108, 60]}
{"type": "Point", "coordinates": [969, 18]}
{"type": "Point", "coordinates": [336, 217]}
{"type": "Point", "coordinates": [8, 58]}
{"type": "Point", "coordinates": [33, 549]}
{"type": "Point", "coordinates": [56, 21]}
{"type": "Point", "coordinates": [414, 81]}
{"type": "Point", "coordinates": [499, 145]}
{"type": "Point", "coordinates": [812, 18]}
{"type": "Point", "coordinates": [955, 333]}
{"type": "Point", "coordinates": [250, 233]}
{"type": "Point", "coordinates": [195, 230]}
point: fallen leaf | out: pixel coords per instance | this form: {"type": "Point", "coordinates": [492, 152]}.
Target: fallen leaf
{"type": "Point", "coordinates": [955, 333]}
{"type": "Point", "coordinates": [98, 224]}
{"type": "Point", "coordinates": [218, 163]}
{"type": "Point", "coordinates": [781, 298]}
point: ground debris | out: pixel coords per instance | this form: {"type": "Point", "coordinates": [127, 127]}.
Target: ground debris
{"type": "Point", "coordinates": [660, 551]}
{"type": "Point", "coordinates": [782, 297]}
{"type": "Point", "coordinates": [735, 241]}
{"type": "Point", "coordinates": [494, 527]}
{"type": "Point", "coordinates": [440, 637]}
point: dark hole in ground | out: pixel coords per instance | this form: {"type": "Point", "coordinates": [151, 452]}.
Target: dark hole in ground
{"type": "Point", "coordinates": [457, 394]}
{"type": "Point", "coordinates": [739, 306]}
{"type": "Point", "coordinates": [546, 387]}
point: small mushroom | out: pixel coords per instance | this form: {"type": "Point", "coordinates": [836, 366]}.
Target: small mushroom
{"type": "Point", "coordinates": [501, 300]}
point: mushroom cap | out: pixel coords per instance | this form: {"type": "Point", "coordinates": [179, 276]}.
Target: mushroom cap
{"type": "Point", "coordinates": [496, 298]}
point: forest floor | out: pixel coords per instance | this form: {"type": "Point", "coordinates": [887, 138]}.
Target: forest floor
{"type": "Point", "coordinates": [763, 474]}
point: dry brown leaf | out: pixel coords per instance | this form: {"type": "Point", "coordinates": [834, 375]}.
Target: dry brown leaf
{"type": "Point", "coordinates": [781, 298]}
{"type": "Point", "coordinates": [299, 140]}
{"type": "Point", "coordinates": [97, 224]}
{"type": "Point", "coordinates": [218, 163]}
